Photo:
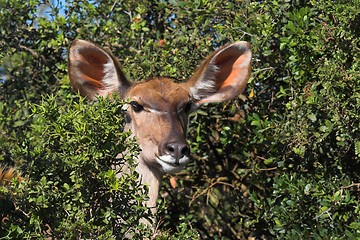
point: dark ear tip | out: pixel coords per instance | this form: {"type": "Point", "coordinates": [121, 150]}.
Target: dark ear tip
{"type": "Point", "coordinates": [243, 46]}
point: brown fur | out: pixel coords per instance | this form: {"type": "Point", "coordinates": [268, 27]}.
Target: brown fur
{"type": "Point", "coordinates": [9, 173]}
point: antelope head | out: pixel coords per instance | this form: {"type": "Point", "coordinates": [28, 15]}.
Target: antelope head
{"type": "Point", "coordinates": [159, 108]}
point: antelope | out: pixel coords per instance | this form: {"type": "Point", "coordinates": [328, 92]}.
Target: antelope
{"type": "Point", "coordinates": [158, 109]}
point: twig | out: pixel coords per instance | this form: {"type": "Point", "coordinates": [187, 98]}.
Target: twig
{"type": "Point", "coordinates": [324, 212]}
{"type": "Point", "coordinates": [267, 169]}
{"type": "Point", "coordinates": [264, 69]}
{"type": "Point", "coordinates": [207, 189]}
{"type": "Point", "coordinates": [33, 52]}
{"type": "Point", "coordinates": [25, 214]}
{"type": "Point", "coordinates": [111, 9]}
{"type": "Point", "coordinates": [351, 185]}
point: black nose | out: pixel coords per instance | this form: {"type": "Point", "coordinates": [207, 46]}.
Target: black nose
{"type": "Point", "coordinates": [177, 150]}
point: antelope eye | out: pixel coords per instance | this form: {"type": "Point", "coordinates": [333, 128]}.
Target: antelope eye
{"type": "Point", "coordinates": [136, 106]}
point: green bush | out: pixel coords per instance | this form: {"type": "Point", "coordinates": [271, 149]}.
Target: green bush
{"type": "Point", "coordinates": [71, 189]}
{"type": "Point", "coordinates": [280, 162]}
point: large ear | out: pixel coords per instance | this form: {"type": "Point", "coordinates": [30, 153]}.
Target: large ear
{"type": "Point", "coordinates": [223, 75]}
{"type": "Point", "coordinates": [94, 71]}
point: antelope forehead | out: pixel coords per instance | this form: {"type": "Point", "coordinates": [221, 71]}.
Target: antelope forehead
{"type": "Point", "coordinates": [160, 95]}
{"type": "Point", "coordinates": [157, 104]}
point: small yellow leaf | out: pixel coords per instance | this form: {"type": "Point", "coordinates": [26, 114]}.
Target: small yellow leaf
{"type": "Point", "coordinates": [251, 95]}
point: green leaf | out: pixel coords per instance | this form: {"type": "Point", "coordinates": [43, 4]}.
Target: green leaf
{"type": "Point", "coordinates": [312, 117]}
{"type": "Point", "coordinates": [357, 148]}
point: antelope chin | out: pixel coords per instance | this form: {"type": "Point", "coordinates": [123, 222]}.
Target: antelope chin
{"type": "Point", "coordinates": [169, 164]}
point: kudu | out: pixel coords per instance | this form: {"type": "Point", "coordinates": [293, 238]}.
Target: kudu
{"type": "Point", "coordinates": [158, 108]}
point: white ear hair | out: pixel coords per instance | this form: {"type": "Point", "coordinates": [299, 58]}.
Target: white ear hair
{"type": "Point", "coordinates": [206, 85]}
{"type": "Point", "coordinates": [223, 75]}
{"type": "Point", "coordinates": [94, 71]}
{"type": "Point", "coordinates": [110, 79]}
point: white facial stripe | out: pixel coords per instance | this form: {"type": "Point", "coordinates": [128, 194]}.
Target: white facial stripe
{"type": "Point", "coordinates": [160, 112]}
{"type": "Point", "coordinates": [156, 111]}
{"type": "Point", "coordinates": [152, 110]}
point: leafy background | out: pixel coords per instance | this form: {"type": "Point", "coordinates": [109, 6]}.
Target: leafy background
{"type": "Point", "coordinates": [281, 161]}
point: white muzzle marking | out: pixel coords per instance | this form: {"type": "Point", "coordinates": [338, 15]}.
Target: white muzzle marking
{"type": "Point", "coordinates": [170, 165]}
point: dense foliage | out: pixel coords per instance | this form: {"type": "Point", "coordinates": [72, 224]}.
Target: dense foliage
{"type": "Point", "coordinates": [71, 189]}
{"type": "Point", "coordinates": [281, 161]}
